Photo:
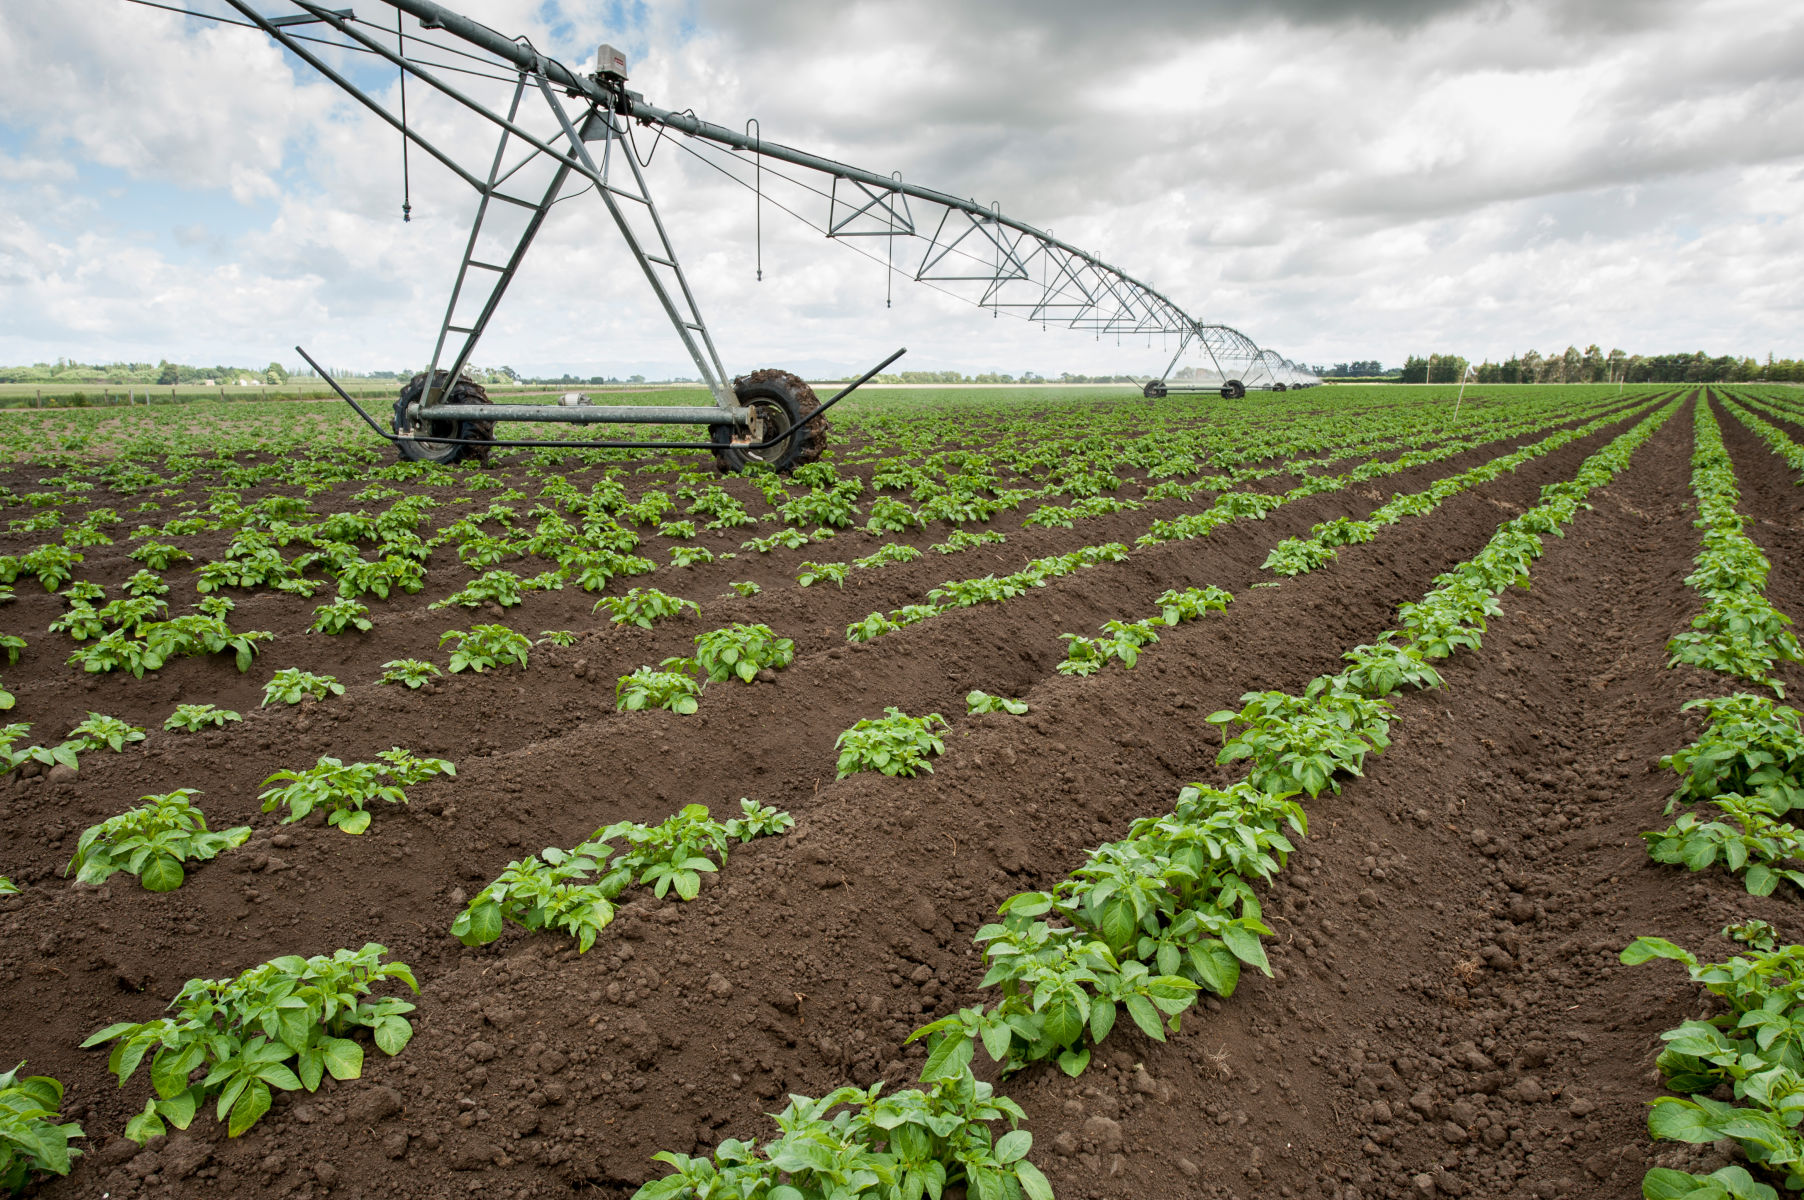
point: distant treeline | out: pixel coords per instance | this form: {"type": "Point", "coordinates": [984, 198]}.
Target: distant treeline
{"type": "Point", "coordinates": [67, 372]}
{"type": "Point", "coordinates": [1592, 365]}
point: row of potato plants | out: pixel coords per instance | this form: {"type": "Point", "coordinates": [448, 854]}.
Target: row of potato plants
{"type": "Point", "coordinates": [1149, 921]}
{"type": "Point", "coordinates": [1776, 439]}
{"type": "Point", "coordinates": [1229, 506]}
{"type": "Point", "coordinates": [1297, 556]}
{"type": "Point", "coordinates": [1741, 635]}
{"type": "Point", "coordinates": [1747, 764]}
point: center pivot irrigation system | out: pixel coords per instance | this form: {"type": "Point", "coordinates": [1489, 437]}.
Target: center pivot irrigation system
{"type": "Point", "coordinates": [563, 133]}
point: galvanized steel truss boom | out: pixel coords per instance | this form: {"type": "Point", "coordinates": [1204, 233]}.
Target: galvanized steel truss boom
{"type": "Point", "coordinates": [971, 249]}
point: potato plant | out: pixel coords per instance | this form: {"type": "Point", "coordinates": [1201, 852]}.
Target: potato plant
{"type": "Point", "coordinates": [412, 672]}
{"type": "Point", "coordinates": [1083, 656]}
{"type": "Point", "coordinates": [557, 889]}
{"type": "Point", "coordinates": [341, 614]}
{"type": "Point", "coordinates": [81, 622]}
{"type": "Point", "coordinates": [811, 573]}
{"type": "Point", "coordinates": [785, 539]}
{"type": "Point", "coordinates": [691, 556]}
{"type": "Point", "coordinates": [281, 1026]}
{"type": "Point", "coordinates": [343, 789]}
{"type": "Point", "coordinates": [485, 647]}
{"type": "Point", "coordinates": [895, 744]}
{"type": "Point", "coordinates": [501, 588]}
{"type": "Point", "coordinates": [194, 635]}
{"type": "Point", "coordinates": [1296, 556]}
{"type": "Point", "coordinates": [894, 552]}
{"type": "Point", "coordinates": [870, 628]}
{"type": "Point", "coordinates": [910, 1143]}
{"type": "Point", "coordinates": [160, 556]}
{"type": "Point", "coordinates": [98, 732]}
{"type": "Point", "coordinates": [33, 1139]}
{"type": "Point", "coordinates": [1141, 926]}
{"type": "Point", "coordinates": [675, 688]}
{"type": "Point", "coordinates": [1751, 843]}
{"type": "Point", "coordinates": [977, 702]}
{"type": "Point", "coordinates": [407, 768]}
{"type": "Point", "coordinates": [192, 718]}
{"type": "Point", "coordinates": [741, 651]}
{"type": "Point", "coordinates": [1739, 632]}
{"type": "Point", "coordinates": [65, 755]}
{"type": "Point", "coordinates": [593, 570]}
{"type": "Point", "coordinates": [645, 607]}
{"type": "Point", "coordinates": [1751, 748]}
{"type": "Point", "coordinates": [151, 841]}
{"type": "Point", "coordinates": [391, 573]}
{"type": "Point", "coordinates": [1190, 604]}
{"type": "Point", "coordinates": [291, 685]}
{"type": "Point", "coordinates": [964, 539]}
{"type": "Point", "coordinates": [1383, 667]}
{"type": "Point", "coordinates": [145, 583]}
{"type": "Point", "coordinates": [1750, 1043]}
{"type": "Point", "coordinates": [1299, 743]}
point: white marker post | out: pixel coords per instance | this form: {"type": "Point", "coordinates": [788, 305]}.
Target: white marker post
{"type": "Point", "coordinates": [1460, 399]}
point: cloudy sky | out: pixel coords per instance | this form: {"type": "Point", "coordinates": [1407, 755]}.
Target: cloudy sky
{"type": "Point", "coordinates": [1338, 178]}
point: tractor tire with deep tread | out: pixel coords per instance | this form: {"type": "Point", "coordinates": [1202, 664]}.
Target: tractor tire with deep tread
{"type": "Point", "coordinates": [421, 447]}
{"type": "Point", "coordinates": [779, 401]}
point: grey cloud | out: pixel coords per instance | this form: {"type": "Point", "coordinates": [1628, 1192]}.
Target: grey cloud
{"type": "Point", "coordinates": [1316, 173]}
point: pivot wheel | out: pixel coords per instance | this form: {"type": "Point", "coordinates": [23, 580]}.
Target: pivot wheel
{"type": "Point", "coordinates": [1154, 389]}
{"type": "Point", "coordinates": [782, 404]}
{"type": "Point", "coordinates": [421, 446]}
{"type": "Point", "coordinates": [1233, 390]}
{"type": "Point", "coordinates": [1279, 387]}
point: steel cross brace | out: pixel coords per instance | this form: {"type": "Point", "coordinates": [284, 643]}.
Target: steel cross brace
{"type": "Point", "coordinates": [567, 148]}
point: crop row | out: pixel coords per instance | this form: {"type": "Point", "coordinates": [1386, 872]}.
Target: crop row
{"type": "Point", "coordinates": [1236, 505]}
{"type": "Point", "coordinates": [1748, 766]}
{"type": "Point", "coordinates": [1177, 894]}
{"type": "Point", "coordinates": [1775, 438]}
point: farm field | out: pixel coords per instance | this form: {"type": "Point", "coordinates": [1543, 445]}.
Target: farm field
{"type": "Point", "coordinates": [1373, 905]}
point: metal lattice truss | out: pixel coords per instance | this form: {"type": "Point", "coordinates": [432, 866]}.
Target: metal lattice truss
{"type": "Point", "coordinates": [561, 133]}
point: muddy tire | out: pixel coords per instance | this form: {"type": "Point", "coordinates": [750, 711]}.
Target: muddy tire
{"type": "Point", "coordinates": [1155, 389]}
{"type": "Point", "coordinates": [780, 401]}
{"type": "Point", "coordinates": [1233, 390]}
{"type": "Point", "coordinates": [421, 447]}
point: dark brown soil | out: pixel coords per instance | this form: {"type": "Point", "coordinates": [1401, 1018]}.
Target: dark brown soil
{"type": "Point", "coordinates": [1447, 1001]}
